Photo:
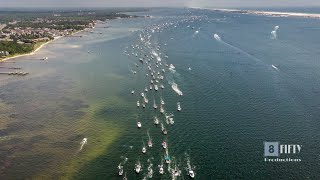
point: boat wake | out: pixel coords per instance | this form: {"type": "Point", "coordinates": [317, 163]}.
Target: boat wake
{"type": "Point", "coordinates": [218, 38]}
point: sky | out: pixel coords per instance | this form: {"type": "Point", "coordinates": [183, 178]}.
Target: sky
{"type": "Point", "coordinates": [156, 3]}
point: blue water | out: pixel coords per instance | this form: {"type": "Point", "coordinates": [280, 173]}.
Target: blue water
{"type": "Point", "coordinates": [233, 98]}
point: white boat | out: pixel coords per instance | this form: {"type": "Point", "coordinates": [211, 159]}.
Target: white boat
{"type": "Point", "coordinates": [143, 105]}
{"type": "Point", "coordinates": [176, 172]}
{"type": "Point", "coordinates": [178, 106]}
{"type": "Point", "coordinates": [138, 103]}
{"type": "Point", "coordinates": [156, 121]}
{"type": "Point", "coordinates": [191, 173]}
{"type": "Point", "coordinates": [164, 131]}
{"type": "Point", "coordinates": [150, 87]}
{"type": "Point", "coordinates": [176, 89]}
{"type": "Point", "coordinates": [137, 167]}
{"type": "Point", "coordinates": [145, 99]}
{"type": "Point", "coordinates": [134, 72]}
{"type": "Point", "coordinates": [162, 102]}
{"type": "Point", "coordinates": [132, 92]}
{"type": "Point", "coordinates": [145, 89]}
{"type": "Point", "coordinates": [149, 143]}
{"type": "Point", "coordinates": [139, 124]}
{"type": "Point", "coordinates": [156, 87]}
{"type": "Point", "coordinates": [142, 94]}
{"type": "Point", "coordinates": [144, 150]}
{"type": "Point", "coordinates": [151, 82]}
{"type": "Point", "coordinates": [120, 168]}
{"type": "Point", "coordinates": [161, 109]}
{"type": "Point", "coordinates": [155, 105]}
{"type": "Point", "coordinates": [162, 86]}
{"type": "Point", "coordinates": [163, 70]}
{"type": "Point", "coordinates": [161, 170]}
{"type": "Point", "coordinates": [164, 144]}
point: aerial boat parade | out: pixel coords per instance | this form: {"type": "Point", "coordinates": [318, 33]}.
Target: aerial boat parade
{"type": "Point", "coordinates": [156, 72]}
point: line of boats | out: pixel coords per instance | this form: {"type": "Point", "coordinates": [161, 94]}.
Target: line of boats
{"type": "Point", "coordinates": [152, 62]}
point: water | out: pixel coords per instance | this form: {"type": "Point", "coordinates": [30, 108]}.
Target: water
{"type": "Point", "coordinates": [233, 100]}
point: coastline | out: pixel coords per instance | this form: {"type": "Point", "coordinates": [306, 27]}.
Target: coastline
{"type": "Point", "coordinates": [37, 49]}
{"type": "Point", "coordinates": [266, 13]}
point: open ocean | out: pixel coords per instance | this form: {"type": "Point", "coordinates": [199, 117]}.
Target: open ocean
{"type": "Point", "coordinates": [244, 87]}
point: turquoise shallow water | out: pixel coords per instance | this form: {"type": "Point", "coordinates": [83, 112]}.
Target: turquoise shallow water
{"type": "Point", "coordinates": [233, 100]}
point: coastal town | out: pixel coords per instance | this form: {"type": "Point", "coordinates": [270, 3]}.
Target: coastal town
{"type": "Point", "coordinates": [25, 32]}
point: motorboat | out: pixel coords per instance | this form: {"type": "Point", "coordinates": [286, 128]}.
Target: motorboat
{"type": "Point", "coordinates": [161, 170]}
{"type": "Point", "coordinates": [139, 124]}
{"type": "Point", "coordinates": [137, 167]}
{"type": "Point", "coordinates": [191, 173]}
{"type": "Point", "coordinates": [120, 168]}
{"type": "Point", "coordinates": [161, 109]}
{"type": "Point", "coordinates": [132, 92]}
{"type": "Point", "coordinates": [150, 87]}
{"type": "Point", "coordinates": [164, 144]}
{"type": "Point", "coordinates": [138, 103]}
{"type": "Point", "coordinates": [167, 159]}
{"type": "Point", "coordinates": [156, 121]}
{"type": "Point", "coordinates": [149, 143]}
{"type": "Point", "coordinates": [143, 105]}
{"type": "Point", "coordinates": [156, 87]}
{"type": "Point", "coordinates": [155, 105]}
{"type": "Point", "coordinates": [162, 86]}
{"type": "Point", "coordinates": [178, 106]}
{"type": "Point", "coordinates": [144, 150]}
{"type": "Point", "coordinates": [142, 94]}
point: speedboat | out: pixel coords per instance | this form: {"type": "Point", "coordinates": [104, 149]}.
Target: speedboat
{"type": "Point", "coordinates": [161, 170]}
{"type": "Point", "coordinates": [191, 173]}
{"type": "Point", "coordinates": [178, 106]}
{"type": "Point", "coordinates": [156, 87]}
{"type": "Point", "coordinates": [138, 103]}
{"type": "Point", "coordinates": [142, 94]}
{"type": "Point", "coordinates": [156, 121]}
{"type": "Point", "coordinates": [143, 105]}
{"type": "Point", "coordinates": [164, 144]}
{"type": "Point", "coordinates": [132, 92]}
{"type": "Point", "coordinates": [139, 124]}
{"type": "Point", "coordinates": [137, 168]}
{"type": "Point", "coordinates": [162, 86]}
{"type": "Point", "coordinates": [146, 90]}
{"type": "Point", "coordinates": [151, 82]}
{"type": "Point", "coordinates": [146, 100]}
{"type": "Point", "coordinates": [120, 170]}
{"type": "Point", "coordinates": [155, 105]}
{"type": "Point", "coordinates": [134, 72]}
{"type": "Point", "coordinates": [150, 87]}
{"type": "Point", "coordinates": [144, 150]}
{"type": "Point", "coordinates": [161, 109]}
{"type": "Point", "coordinates": [162, 102]}
{"type": "Point", "coordinates": [164, 131]}
{"type": "Point", "coordinates": [176, 172]}
{"type": "Point", "coordinates": [167, 159]}
{"type": "Point", "coordinates": [149, 143]}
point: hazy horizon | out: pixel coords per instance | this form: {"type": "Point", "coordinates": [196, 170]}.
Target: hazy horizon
{"type": "Point", "coordinates": [154, 3]}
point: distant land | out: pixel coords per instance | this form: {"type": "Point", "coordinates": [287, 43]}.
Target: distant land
{"type": "Point", "coordinates": [24, 31]}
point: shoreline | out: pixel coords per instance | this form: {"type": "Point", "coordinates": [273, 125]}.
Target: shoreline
{"type": "Point", "coordinates": [266, 13]}
{"type": "Point", "coordinates": [41, 46]}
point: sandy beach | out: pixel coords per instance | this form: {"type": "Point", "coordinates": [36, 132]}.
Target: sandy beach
{"type": "Point", "coordinates": [268, 13]}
